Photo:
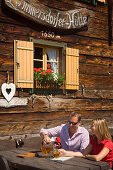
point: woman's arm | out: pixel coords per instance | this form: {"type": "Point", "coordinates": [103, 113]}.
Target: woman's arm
{"type": "Point", "coordinates": [79, 154]}
{"type": "Point", "coordinates": [69, 153]}
{"type": "Point", "coordinates": [100, 156]}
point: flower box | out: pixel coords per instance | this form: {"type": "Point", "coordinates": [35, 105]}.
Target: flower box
{"type": "Point", "coordinates": [48, 85]}
{"type": "Point", "coordinates": [48, 79]}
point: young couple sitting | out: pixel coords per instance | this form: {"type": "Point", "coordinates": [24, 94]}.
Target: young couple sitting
{"type": "Point", "coordinates": [75, 139]}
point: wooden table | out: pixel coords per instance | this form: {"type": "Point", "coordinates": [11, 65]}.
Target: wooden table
{"type": "Point", "coordinates": [35, 163]}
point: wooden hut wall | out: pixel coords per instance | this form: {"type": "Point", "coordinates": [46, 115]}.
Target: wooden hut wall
{"type": "Point", "coordinates": [95, 95]}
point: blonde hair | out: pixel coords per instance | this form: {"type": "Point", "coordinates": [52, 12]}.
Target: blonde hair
{"type": "Point", "coordinates": [101, 128]}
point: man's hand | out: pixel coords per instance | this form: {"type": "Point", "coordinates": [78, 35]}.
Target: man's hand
{"type": "Point", "coordinates": [45, 138]}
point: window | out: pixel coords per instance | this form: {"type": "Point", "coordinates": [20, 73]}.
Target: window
{"type": "Point", "coordinates": [39, 53]}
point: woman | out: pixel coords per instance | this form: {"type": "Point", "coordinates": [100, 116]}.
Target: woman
{"type": "Point", "coordinates": [101, 145]}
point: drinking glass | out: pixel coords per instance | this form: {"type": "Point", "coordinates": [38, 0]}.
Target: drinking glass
{"type": "Point", "coordinates": [55, 153]}
{"type": "Point", "coordinates": [46, 148]}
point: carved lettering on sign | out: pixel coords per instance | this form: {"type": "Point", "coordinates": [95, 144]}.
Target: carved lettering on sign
{"type": "Point", "coordinates": [49, 34]}
{"type": "Point", "coordinates": [72, 19]}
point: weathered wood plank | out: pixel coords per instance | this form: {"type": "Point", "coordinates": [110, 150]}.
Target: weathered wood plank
{"type": "Point", "coordinates": [6, 62]}
{"type": "Point", "coordinates": [105, 94]}
{"type": "Point", "coordinates": [96, 82]}
{"type": "Point", "coordinates": [62, 116]}
{"type": "Point", "coordinates": [57, 104]}
{"type": "Point", "coordinates": [58, 4]}
{"type": "Point", "coordinates": [93, 69]}
{"type": "Point", "coordinates": [96, 60]}
{"type": "Point", "coordinates": [4, 77]}
{"type": "Point", "coordinates": [65, 4]}
{"type": "Point", "coordinates": [79, 40]}
{"type": "Point", "coordinates": [33, 127]}
{"type": "Point", "coordinates": [6, 49]}
{"type": "Point", "coordinates": [10, 20]}
{"type": "Point", "coordinates": [97, 23]}
{"type": "Point", "coordinates": [33, 124]}
{"type": "Point", "coordinates": [19, 128]}
{"type": "Point", "coordinates": [102, 34]}
{"type": "Point", "coordinates": [94, 51]}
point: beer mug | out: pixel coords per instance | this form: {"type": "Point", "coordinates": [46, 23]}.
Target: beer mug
{"type": "Point", "coordinates": [56, 153]}
{"type": "Point", "coordinates": [46, 148]}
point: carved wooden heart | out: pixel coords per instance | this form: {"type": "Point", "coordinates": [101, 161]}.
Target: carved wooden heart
{"type": "Point", "coordinates": [5, 88]}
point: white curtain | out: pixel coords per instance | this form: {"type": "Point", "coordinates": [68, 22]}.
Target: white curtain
{"type": "Point", "coordinates": [52, 56]}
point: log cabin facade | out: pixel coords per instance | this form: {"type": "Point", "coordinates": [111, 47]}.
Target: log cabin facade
{"type": "Point", "coordinates": [73, 37]}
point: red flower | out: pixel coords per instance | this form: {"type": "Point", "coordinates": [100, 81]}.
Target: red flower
{"type": "Point", "coordinates": [35, 69]}
{"type": "Point", "coordinates": [48, 71]}
{"type": "Point", "coordinates": [43, 73]}
{"type": "Point", "coordinates": [39, 69]}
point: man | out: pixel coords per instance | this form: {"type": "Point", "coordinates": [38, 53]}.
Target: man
{"type": "Point", "coordinates": [73, 137]}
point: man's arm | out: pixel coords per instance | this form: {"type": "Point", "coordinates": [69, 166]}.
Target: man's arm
{"type": "Point", "coordinates": [46, 134]}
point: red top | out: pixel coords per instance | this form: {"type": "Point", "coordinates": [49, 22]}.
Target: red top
{"type": "Point", "coordinates": [98, 147]}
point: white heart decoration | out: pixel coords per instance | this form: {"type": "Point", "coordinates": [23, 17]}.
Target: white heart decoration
{"type": "Point", "coordinates": [6, 86]}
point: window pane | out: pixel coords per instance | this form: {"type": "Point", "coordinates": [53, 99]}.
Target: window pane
{"type": "Point", "coordinates": [38, 64]}
{"type": "Point", "coordinates": [52, 56]}
{"type": "Point", "coordinates": [38, 53]}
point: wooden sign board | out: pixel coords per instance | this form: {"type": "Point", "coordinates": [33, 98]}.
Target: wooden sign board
{"type": "Point", "coordinates": [32, 9]}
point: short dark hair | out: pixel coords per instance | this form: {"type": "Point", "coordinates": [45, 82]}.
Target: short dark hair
{"type": "Point", "coordinates": [74, 114]}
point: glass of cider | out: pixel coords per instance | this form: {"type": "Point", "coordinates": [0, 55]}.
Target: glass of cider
{"type": "Point", "coordinates": [55, 153]}
{"type": "Point", "coordinates": [46, 148]}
